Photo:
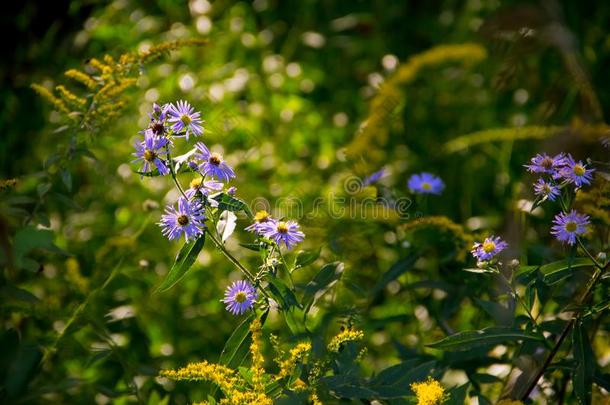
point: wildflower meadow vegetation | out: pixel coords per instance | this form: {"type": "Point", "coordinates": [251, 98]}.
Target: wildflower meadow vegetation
{"type": "Point", "coordinates": [267, 202]}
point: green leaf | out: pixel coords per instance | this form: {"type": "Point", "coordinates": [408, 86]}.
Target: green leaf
{"type": "Point", "coordinates": [557, 271]}
{"type": "Point", "coordinates": [395, 381]}
{"type": "Point", "coordinates": [348, 386]}
{"type": "Point", "coordinates": [476, 338]}
{"type": "Point", "coordinates": [395, 271]}
{"type": "Point", "coordinates": [66, 178]}
{"type": "Point", "coordinates": [28, 239]}
{"type": "Point", "coordinates": [306, 257]}
{"type": "Point", "coordinates": [230, 203]}
{"type": "Point", "coordinates": [184, 260]}
{"type": "Point", "coordinates": [236, 347]}
{"type": "Point", "coordinates": [584, 369]}
{"type": "Point", "coordinates": [457, 395]}
{"type": "Point", "coordinates": [251, 246]}
{"type": "Point", "coordinates": [326, 277]}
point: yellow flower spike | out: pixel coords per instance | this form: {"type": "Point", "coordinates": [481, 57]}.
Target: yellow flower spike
{"type": "Point", "coordinates": [82, 78]}
{"type": "Point", "coordinates": [510, 402]}
{"type": "Point", "coordinates": [257, 358]}
{"type": "Point", "coordinates": [429, 392]}
{"type": "Point", "coordinates": [315, 400]}
{"type": "Point", "coordinates": [70, 97]}
{"type": "Point", "coordinates": [45, 93]}
{"type": "Point", "coordinates": [222, 376]}
{"type": "Point", "coordinates": [348, 335]}
{"type": "Point", "coordinates": [298, 353]}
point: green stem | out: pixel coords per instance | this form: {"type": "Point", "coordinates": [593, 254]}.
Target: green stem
{"type": "Point", "coordinates": [235, 262]}
{"type": "Point", "coordinates": [173, 173]}
{"type": "Point", "coordinates": [582, 246]}
{"type": "Point", "coordinates": [583, 298]}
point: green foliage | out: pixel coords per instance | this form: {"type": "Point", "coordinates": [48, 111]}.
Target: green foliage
{"type": "Point", "coordinates": [302, 96]}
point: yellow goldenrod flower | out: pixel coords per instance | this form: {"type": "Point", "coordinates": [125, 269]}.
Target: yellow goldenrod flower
{"type": "Point", "coordinates": [348, 335]}
{"type": "Point", "coordinates": [429, 392]}
{"type": "Point", "coordinates": [220, 375]}
{"type": "Point", "coordinates": [81, 77]}
{"type": "Point", "coordinates": [257, 358]}
{"type": "Point", "coordinates": [298, 353]}
{"type": "Point", "coordinates": [510, 402]}
{"type": "Point", "coordinates": [315, 400]}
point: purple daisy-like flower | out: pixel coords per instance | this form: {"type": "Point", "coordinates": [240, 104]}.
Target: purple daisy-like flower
{"type": "Point", "coordinates": [203, 187]}
{"type": "Point", "coordinates": [185, 118]}
{"type": "Point", "coordinates": [543, 163]}
{"type": "Point", "coordinates": [213, 164]}
{"type": "Point", "coordinates": [158, 119]}
{"type": "Point", "coordinates": [188, 219]}
{"type": "Point", "coordinates": [426, 183]}
{"type": "Point", "coordinates": [240, 297]}
{"type": "Point", "coordinates": [374, 177]}
{"type": "Point", "coordinates": [546, 189]}
{"type": "Point", "coordinates": [286, 232]}
{"type": "Point", "coordinates": [260, 220]}
{"type": "Point", "coordinates": [568, 226]}
{"type": "Point", "coordinates": [149, 152]}
{"type": "Point", "coordinates": [576, 172]}
{"type": "Point", "coordinates": [489, 248]}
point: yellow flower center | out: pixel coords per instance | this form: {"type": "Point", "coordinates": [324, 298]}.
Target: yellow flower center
{"type": "Point", "coordinates": [183, 219]}
{"type": "Point", "coordinates": [215, 159]}
{"type": "Point", "coordinates": [149, 155]}
{"type": "Point", "coordinates": [547, 189]}
{"type": "Point", "coordinates": [196, 183]}
{"type": "Point", "coordinates": [579, 170]}
{"type": "Point", "coordinates": [241, 297]}
{"type": "Point", "coordinates": [261, 216]}
{"type": "Point", "coordinates": [571, 226]}
{"type": "Point", "coordinates": [489, 246]}
{"type": "Point", "coordinates": [282, 227]}
{"type": "Point", "coordinates": [426, 186]}
{"type": "Point", "coordinates": [185, 119]}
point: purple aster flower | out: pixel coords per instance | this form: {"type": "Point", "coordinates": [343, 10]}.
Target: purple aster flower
{"type": "Point", "coordinates": [232, 190]}
{"type": "Point", "coordinates": [543, 163]}
{"type": "Point", "coordinates": [489, 248]}
{"type": "Point", "coordinates": [260, 220]}
{"type": "Point", "coordinates": [240, 297]}
{"type": "Point", "coordinates": [158, 117]}
{"type": "Point", "coordinates": [213, 164]}
{"type": "Point", "coordinates": [149, 152]}
{"type": "Point", "coordinates": [374, 177]}
{"type": "Point", "coordinates": [568, 226]}
{"type": "Point", "coordinates": [203, 187]}
{"type": "Point", "coordinates": [426, 183]}
{"type": "Point", "coordinates": [546, 190]}
{"type": "Point", "coordinates": [185, 118]}
{"type": "Point", "coordinates": [282, 231]}
{"type": "Point", "coordinates": [576, 172]}
{"type": "Point", "coordinates": [188, 219]}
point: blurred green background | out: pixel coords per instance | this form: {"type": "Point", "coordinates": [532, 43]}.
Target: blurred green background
{"type": "Point", "coordinates": [284, 88]}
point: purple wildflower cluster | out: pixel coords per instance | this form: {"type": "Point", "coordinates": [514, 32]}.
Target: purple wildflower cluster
{"type": "Point", "coordinates": [188, 218]}
{"type": "Point", "coordinates": [560, 171]}
{"type": "Point", "coordinates": [279, 231]}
